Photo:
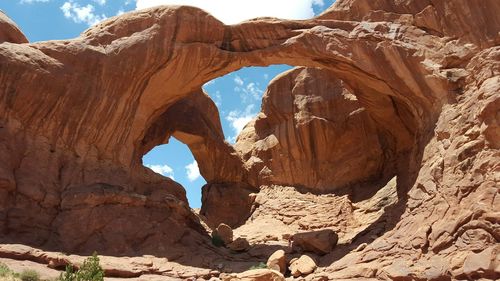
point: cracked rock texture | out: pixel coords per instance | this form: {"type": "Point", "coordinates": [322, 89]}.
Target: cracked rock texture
{"type": "Point", "coordinates": [387, 133]}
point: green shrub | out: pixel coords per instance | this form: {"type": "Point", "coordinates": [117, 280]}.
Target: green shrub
{"type": "Point", "coordinates": [4, 270]}
{"type": "Point", "coordinates": [259, 266]}
{"type": "Point", "coordinates": [89, 271]}
{"type": "Point", "coordinates": [29, 275]}
{"type": "Point", "coordinates": [217, 240]}
{"type": "Point", "coordinates": [68, 275]}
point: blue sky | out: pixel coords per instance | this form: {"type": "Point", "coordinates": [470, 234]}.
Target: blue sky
{"type": "Point", "coordinates": [238, 95]}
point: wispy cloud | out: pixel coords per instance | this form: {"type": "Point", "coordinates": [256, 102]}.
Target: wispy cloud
{"type": "Point", "coordinates": [33, 1]}
{"type": "Point", "coordinates": [81, 14]}
{"type": "Point", "coordinates": [238, 119]}
{"type": "Point", "coordinates": [253, 90]}
{"type": "Point", "coordinates": [238, 80]}
{"type": "Point", "coordinates": [218, 98]}
{"type": "Point", "coordinates": [318, 3]}
{"type": "Point", "coordinates": [100, 2]}
{"type": "Point", "coordinates": [192, 171]}
{"type": "Point", "coordinates": [234, 11]}
{"type": "Point", "coordinates": [164, 170]}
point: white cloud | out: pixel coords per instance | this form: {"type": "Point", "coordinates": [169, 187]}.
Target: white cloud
{"type": "Point", "coordinates": [33, 1]}
{"type": "Point", "coordinates": [318, 3]}
{"type": "Point", "coordinates": [81, 14]}
{"type": "Point", "coordinates": [120, 12]}
{"type": "Point", "coordinates": [192, 171]}
{"type": "Point", "coordinates": [164, 170]}
{"type": "Point", "coordinates": [218, 98]}
{"type": "Point", "coordinates": [239, 119]}
{"type": "Point", "coordinates": [253, 90]}
{"type": "Point", "coordinates": [238, 80]}
{"type": "Point", "coordinates": [100, 2]}
{"type": "Point", "coordinates": [234, 11]}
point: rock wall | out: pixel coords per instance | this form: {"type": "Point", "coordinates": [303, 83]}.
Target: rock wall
{"type": "Point", "coordinates": [313, 133]}
{"type": "Point", "coordinates": [77, 115]}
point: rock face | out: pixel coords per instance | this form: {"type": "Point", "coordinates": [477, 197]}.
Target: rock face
{"type": "Point", "coordinates": [9, 32]}
{"type": "Point", "coordinates": [305, 132]}
{"type": "Point", "coordinates": [409, 91]}
{"type": "Point", "coordinates": [227, 203]}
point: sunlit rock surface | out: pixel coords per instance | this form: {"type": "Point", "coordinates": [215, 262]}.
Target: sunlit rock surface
{"type": "Point", "coordinates": [420, 200]}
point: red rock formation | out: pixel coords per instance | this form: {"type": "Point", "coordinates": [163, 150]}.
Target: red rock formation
{"type": "Point", "coordinates": [76, 116]}
{"type": "Point", "coordinates": [313, 133]}
{"type": "Point", "coordinates": [9, 32]}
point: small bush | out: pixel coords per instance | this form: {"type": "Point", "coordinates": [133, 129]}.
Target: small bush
{"type": "Point", "coordinates": [217, 240]}
{"type": "Point", "coordinates": [29, 275]}
{"type": "Point", "coordinates": [4, 270]}
{"type": "Point", "coordinates": [89, 271]}
{"type": "Point", "coordinates": [68, 275]}
{"type": "Point", "coordinates": [259, 266]}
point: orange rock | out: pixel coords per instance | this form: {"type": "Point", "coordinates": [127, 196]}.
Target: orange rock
{"type": "Point", "coordinates": [256, 275]}
{"type": "Point", "coordinates": [320, 242]}
{"type": "Point", "coordinates": [76, 117]}
{"type": "Point", "coordinates": [240, 244]}
{"type": "Point", "coordinates": [225, 232]}
{"type": "Point", "coordinates": [277, 259]}
{"type": "Point", "coordinates": [304, 265]}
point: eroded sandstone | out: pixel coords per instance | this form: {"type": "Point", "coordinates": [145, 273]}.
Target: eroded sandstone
{"type": "Point", "coordinates": [422, 77]}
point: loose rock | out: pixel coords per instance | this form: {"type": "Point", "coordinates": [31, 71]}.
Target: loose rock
{"type": "Point", "coordinates": [240, 244]}
{"type": "Point", "coordinates": [277, 259]}
{"type": "Point", "coordinates": [255, 275]}
{"type": "Point", "coordinates": [225, 232]}
{"type": "Point", "coordinates": [302, 266]}
{"type": "Point", "coordinates": [320, 242]}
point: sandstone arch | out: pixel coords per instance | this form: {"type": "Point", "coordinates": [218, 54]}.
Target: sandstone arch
{"type": "Point", "coordinates": [429, 86]}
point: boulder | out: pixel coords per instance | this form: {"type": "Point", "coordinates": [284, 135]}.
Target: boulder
{"type": "Point", "coordinates": [277, 261]}
{"type": "Point", "coordinates": [256, 275]}
{"type": "Point", "coordinates": [240, 244]}
{"type": "Point", "coordinates": [302, 266]}
{"type": "Point", "coordinates": [320, 242]}
{"type": "Point", "coordinates": [225, 232]}
{"type": "Point", "coordinates": [485, 264]}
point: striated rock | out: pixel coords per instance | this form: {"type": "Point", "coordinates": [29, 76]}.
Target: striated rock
{"type": "Point", "coordinates": [305, 132]}
{"type": "Point", "coordinates": [320, 242]}
{"type": "Point", "coordinates": [225, 232]}
{"type": "Point", "coordinates": [302, 266]}
{"type": "Point", "coordinates": [277, 261]}
{"type": "Point", "coordinates": [256, 275]}
{"type": "Point", "coordinates": [240, 244]}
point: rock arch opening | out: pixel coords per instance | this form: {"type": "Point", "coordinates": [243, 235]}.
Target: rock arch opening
{"type": "Point", "coordinates": [318, 137]}
{"type": "Point", "coordinates": [175, 161]}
